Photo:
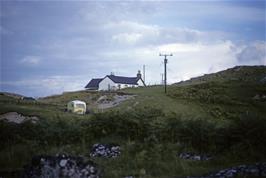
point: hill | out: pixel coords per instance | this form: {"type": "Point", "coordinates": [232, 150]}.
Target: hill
{"type": "Point", "coordinates": [221, 114]}
{"type": "Point", "coordinates": [228, 93]}
{"type": "Point", "coordinates": [246, 74]}
{"type": "Point", "coordinates": [10, 96]}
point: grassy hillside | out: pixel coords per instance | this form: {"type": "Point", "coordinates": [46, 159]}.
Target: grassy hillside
{"type": "Point", "coordinates": [246, 74]}
{"type": "Point", "coordinates": [88, 96]}
{"type": "Point", "coordinates": [226, 94]}
{"type": "Point", "coordinates": [220, 114]}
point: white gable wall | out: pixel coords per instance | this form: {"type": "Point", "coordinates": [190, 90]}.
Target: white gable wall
{"type": "Point", "coordinates": [107, 84]}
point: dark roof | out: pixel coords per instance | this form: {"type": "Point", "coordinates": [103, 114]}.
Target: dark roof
{"type": "Point", "coordinates": [124, 80]}
{"type": "Point", "coordinates": [94, 83]}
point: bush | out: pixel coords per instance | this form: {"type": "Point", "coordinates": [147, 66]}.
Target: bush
{"type": "Point", "coordinates": [143, 125]}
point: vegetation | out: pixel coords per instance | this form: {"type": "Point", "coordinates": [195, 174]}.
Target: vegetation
{"type": "Point", "coordinates": [219, 117]}
{"type": "Point", "coordinates": [227, 94]}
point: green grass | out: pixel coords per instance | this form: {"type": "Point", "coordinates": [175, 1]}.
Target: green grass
{"type": "Point", "coordinates": [155, 97]}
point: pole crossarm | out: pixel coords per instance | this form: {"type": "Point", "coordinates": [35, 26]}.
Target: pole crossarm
{"type": "Point", "coordinates": [165, 75]}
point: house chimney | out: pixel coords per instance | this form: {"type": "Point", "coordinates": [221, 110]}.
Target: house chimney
{"type": "Point", "coordinates": [138, 74]}
{"type": "Point", "coordinates": [112, 73]}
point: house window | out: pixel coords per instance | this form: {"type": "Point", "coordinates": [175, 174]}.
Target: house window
{"type": "Point", "coordinates": [119, 86]}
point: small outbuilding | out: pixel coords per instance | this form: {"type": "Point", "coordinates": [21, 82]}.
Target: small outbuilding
{"type": "Point", "coordinates": [76, 106]}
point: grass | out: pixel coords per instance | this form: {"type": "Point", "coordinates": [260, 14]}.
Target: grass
{"type": "Point", "coordinates": [90, 97]}
{"type": "Point", "coordinates": [215, 115]}
{"type": "Point", "coordinates": [155, 97]}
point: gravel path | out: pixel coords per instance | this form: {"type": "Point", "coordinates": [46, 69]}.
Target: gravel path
{"type": "Point", "coordinates": [103, 103]}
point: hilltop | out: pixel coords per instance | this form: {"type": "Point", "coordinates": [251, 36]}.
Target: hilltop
{"type": "Point", "coordinates": [9, 95]}
{"type": "Point", "coordinates": [243, 74]}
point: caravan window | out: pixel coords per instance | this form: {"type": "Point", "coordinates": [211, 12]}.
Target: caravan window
{"type": "Point", "coordinates": [80, 105]}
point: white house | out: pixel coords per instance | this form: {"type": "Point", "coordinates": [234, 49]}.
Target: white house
{"type": "Point", "coordinates": [113, 82]}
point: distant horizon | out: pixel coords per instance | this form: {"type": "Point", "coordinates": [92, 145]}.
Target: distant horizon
{"type": "Point", "coordinates": [48, 47]}
{"type": "Point", "coordinates": [155, 84]}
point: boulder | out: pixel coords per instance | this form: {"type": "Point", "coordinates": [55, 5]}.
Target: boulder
{"type": "Point", "coordinates": [193, 156]}
{"type": "Point", "coordinates": [61, 165]}
{"type": "Point", "coordinates": [105, 150]}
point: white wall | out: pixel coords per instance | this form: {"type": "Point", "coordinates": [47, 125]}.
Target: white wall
{"type": "Point", "coordinates": [126, 85]}
{"type": "Point", "coordinates": [107, 84]}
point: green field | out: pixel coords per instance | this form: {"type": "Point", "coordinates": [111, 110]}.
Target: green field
{"type": "Point", "coordinates": [222, 114]}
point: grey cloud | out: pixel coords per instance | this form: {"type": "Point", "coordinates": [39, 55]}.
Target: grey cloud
{"type": "Point", "coordinates": [253, 54]}
{"type": "Point", "coordinates": [30, 60]}
{"type": "Point", "coordinates": [101, 12]}
{"type": "Point", "coordinates": [134, 33]}
{"type": "Point", "coordinates": [43, 86]}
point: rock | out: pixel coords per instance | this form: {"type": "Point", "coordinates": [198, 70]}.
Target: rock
{"type": "Point", "coordinates": [105, 150]}
{"type": "Point", "coordinates": [60, 166]}
{"type": "Point", "coordinates": [256, 170]}
{"type": "Point", "coordinates": [256, 97]}
{"type": "Point", "coordinates": [17, 118]}
{"type": "Point", "coordinates": [196, 157]}
{"type": "Point", "coordinates": [263, 80]}
{"type": "Point", "coordinates": [63, 163]}
{"type": "Point", "coordinates": [102, 99]}
{"type": "Point", "coordinates": [259, 97]}
{"type": "Point", "coordinates": [192, 156]}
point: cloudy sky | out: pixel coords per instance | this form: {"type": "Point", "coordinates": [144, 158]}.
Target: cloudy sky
{"type": "Point", "coordinates": [48, 47]}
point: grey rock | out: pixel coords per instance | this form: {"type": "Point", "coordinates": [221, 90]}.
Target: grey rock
{"type": "Point", "coordinates": [61, 166]}
{"type": "Point", "coordinates": [258, 170]}
{"type": "Point", "coordinates": [105, 150]}
{"type": "Point", "coordinates": [193, 156]}
{"type": "Point", "coordinates": [63, 163]}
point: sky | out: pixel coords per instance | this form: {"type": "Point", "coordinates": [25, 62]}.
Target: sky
{"type": "Point", "coordinates": [48, 47]}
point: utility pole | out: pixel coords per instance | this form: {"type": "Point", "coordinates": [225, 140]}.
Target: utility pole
{"type": "Point", "coordinates": [144, 73]}
{"type": "Point", "coordinates": [165, 62]}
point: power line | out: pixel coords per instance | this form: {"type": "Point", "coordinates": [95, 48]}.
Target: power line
{"type": "Point", "coordinates": [165, 75]}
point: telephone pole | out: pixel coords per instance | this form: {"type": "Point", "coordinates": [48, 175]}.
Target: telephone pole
{"type": "Point", "coordinates": [144, 73]}
{"type": "Point", "coordinates": [165, 62]}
